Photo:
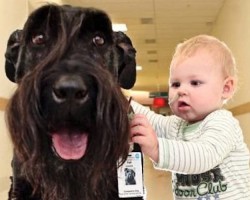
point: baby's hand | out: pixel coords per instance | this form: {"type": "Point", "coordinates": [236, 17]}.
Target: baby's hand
{"type": "Point", "coordinates": [142, 133]}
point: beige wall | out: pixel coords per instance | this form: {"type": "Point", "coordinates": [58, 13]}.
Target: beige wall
{"type": "Point", "coordinates": [232, 26]}
{"type": "Point", "coordinates": [10, 20]}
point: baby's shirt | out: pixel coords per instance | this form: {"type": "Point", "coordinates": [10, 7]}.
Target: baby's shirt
{"type": "Point", "coordinates": [209, 159]}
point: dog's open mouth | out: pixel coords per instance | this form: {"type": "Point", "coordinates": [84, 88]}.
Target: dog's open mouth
{"type": "Point", "coordinates": [70, 145]}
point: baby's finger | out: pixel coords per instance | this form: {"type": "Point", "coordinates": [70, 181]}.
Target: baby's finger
{"type": "Point", "coordinates": [137, 138]}
{"type": "Point", "coordinates": [136, 130]}
{"type": "Point", "coordinates": [139, 120]}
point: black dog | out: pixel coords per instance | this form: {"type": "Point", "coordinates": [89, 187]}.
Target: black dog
{"type": "Point", "coordinates": [129, 176]}
{"type": "Point", "coordinates": [68, 117]}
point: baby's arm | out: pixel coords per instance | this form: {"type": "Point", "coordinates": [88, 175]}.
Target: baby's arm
{"type": "Point", "coordinates": [218, 137]}
{"type": "Point", "coordinates": [157, 121]}
{"type": "Point", "coordinates": [200, 154]}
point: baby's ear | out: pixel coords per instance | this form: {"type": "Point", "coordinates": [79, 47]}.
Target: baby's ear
{"type": "Point", "coordinates": [229, 88]}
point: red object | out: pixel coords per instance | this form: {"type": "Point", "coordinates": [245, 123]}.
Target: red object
{"type": "Point", "coordinates": [159, 102]}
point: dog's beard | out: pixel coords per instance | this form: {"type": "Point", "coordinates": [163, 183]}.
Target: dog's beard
{"type": "Point", "coordinates": [76, 179]}
{"type": "Point", "coordinates": [95, 163]}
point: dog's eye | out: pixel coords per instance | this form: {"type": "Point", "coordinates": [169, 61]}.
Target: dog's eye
{"type": "Point", "coordinates": [98, 40]}
{"type": "Point", "coordinates": [38, 39]}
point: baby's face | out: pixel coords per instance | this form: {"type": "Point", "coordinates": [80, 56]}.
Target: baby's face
{"type": "Point", "coordinates": [196, 86]}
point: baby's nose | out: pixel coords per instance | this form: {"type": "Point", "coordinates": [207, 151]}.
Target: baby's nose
{"type": "Point", "coordinates": [182, 91]}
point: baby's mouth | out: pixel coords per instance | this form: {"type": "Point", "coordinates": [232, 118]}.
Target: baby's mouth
{"type": "Point", "coordinates": [183, 105]}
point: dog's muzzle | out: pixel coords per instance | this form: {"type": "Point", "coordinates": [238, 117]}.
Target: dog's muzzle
{"type": "Point", "coordinates": [65, 103]}
{"type": "Point", "coordinates": [68, 144]}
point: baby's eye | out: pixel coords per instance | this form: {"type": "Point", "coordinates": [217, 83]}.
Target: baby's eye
{"type": "Point", "coordinates": [175, 84]}
{"type": "Point", "coordinates": [196, 83]}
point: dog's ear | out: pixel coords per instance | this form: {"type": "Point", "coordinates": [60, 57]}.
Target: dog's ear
{"type": "Point", "coordinates": [127, 65]}
{"type": "Point", "coordinates": [11, 54]}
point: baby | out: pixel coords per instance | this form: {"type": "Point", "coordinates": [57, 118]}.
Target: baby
{"type": "Point", "coordinates": [202, 143]}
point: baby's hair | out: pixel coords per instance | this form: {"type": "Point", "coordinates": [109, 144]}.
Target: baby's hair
{"type": "Point", "coordinates": [217, 48]}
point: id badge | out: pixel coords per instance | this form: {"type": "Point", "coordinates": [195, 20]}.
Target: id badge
{"type": "Point", "coordinates": [130, 177]}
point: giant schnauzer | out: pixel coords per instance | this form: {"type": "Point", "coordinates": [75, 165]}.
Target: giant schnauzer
{"type": "Point", "coordinates": [68, 117]}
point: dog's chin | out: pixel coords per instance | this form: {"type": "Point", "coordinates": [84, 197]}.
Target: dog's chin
{"type": "Point", "coordinates": [69, 145]}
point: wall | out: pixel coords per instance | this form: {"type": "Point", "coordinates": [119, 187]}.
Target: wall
{"type": "Point", "coordinates": [10, 20]}
{"type": "Point", "coordinates": [233, 27]}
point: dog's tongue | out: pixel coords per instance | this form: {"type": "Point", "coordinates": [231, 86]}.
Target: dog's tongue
{"type": "Point", "coordinates": [70, 146]}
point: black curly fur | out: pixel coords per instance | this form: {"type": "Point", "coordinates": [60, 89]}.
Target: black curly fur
{"type": "Point", "coordinates": [60, 42]}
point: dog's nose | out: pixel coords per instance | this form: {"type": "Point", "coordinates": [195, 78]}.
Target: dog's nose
{"type": "Point", "coordinates": [69, 88]}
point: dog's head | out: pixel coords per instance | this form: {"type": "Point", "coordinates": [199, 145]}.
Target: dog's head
{"type": "Point", "coordinates": [44, 32]}
{"type": "Point", "coordinates": [69, 66]}
{"type": "Point", "coordinates": [129, 176]}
